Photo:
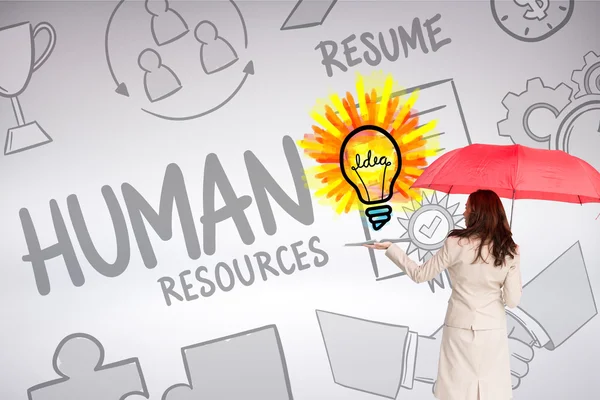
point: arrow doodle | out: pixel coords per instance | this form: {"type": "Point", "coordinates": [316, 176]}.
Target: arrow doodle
{"type": "Point", "coordinates": [121, 86]}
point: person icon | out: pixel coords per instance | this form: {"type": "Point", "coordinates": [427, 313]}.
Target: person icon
{"type": "Point", "coordinates": [166, 25]}
{"type": "Point", "coordinates": [160, 81]}
{"type": "Point", "coordinates": [216, 53]}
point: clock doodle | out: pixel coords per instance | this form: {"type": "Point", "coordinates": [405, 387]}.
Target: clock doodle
{"type": "Point", "coordinates": [532, 20]}
{"type": "Point", "coordinates": [571, 121]}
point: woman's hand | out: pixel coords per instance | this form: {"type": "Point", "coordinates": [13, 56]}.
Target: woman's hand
{"type": "Point", "coordinates": [379, 246]}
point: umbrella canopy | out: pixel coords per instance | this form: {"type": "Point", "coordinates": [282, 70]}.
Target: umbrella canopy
{"type": "Point", "coordinates": [515, 172]}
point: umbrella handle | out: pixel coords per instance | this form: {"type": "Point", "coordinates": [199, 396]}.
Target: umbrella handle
{"type": "Point", "coordinates": [512, 206]}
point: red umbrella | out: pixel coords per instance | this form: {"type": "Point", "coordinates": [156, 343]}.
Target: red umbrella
{"type": "Point", "coordinates": [514, 172]}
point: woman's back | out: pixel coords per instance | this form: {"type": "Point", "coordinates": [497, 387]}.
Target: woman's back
{"type": "Point", "coordinates": [474, 358]}
{"type": "Point", "coordinates": [480, 290]}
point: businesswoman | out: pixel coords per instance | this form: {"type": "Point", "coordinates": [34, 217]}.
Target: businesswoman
{"type": "Point", "coordinates": [483, 263]}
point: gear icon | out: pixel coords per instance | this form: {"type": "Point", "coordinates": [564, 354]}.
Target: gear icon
{"type": "Point", "coordinates": [585, 79]}
{"type": "Point", "coordinates": [521, 106]}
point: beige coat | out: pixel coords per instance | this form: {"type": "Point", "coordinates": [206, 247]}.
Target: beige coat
{"type": "Point", "coordinates": [474, 355]}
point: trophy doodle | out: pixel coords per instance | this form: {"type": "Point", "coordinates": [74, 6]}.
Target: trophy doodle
{"type": "Point", "coordinates": [18, 64]}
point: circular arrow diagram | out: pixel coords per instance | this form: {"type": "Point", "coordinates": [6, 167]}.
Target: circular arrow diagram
{"type": "Point", "coordinates": [122, 86]}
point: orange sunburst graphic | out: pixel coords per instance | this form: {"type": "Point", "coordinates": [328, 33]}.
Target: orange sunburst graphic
{"type": "Point", "coordinates": [370, 152]}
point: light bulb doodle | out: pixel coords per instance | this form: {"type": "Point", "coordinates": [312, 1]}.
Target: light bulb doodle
{"type": "Point", "coordinates": [369, 149]}
{"type": "Point", "coordinates": [370, 162]}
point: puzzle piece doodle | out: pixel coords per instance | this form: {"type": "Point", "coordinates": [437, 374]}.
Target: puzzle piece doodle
{"type": "Point", "coordinates": [79, 361]}
{"type": "Point", "coordinates": [246, 365]}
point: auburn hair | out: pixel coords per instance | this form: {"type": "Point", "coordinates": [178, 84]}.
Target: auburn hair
{"type": "Point", "coordinates": [487, 221]}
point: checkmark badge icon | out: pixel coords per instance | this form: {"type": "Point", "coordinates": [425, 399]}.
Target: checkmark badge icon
{"type": "Point", "coordinates": [430, 230]}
